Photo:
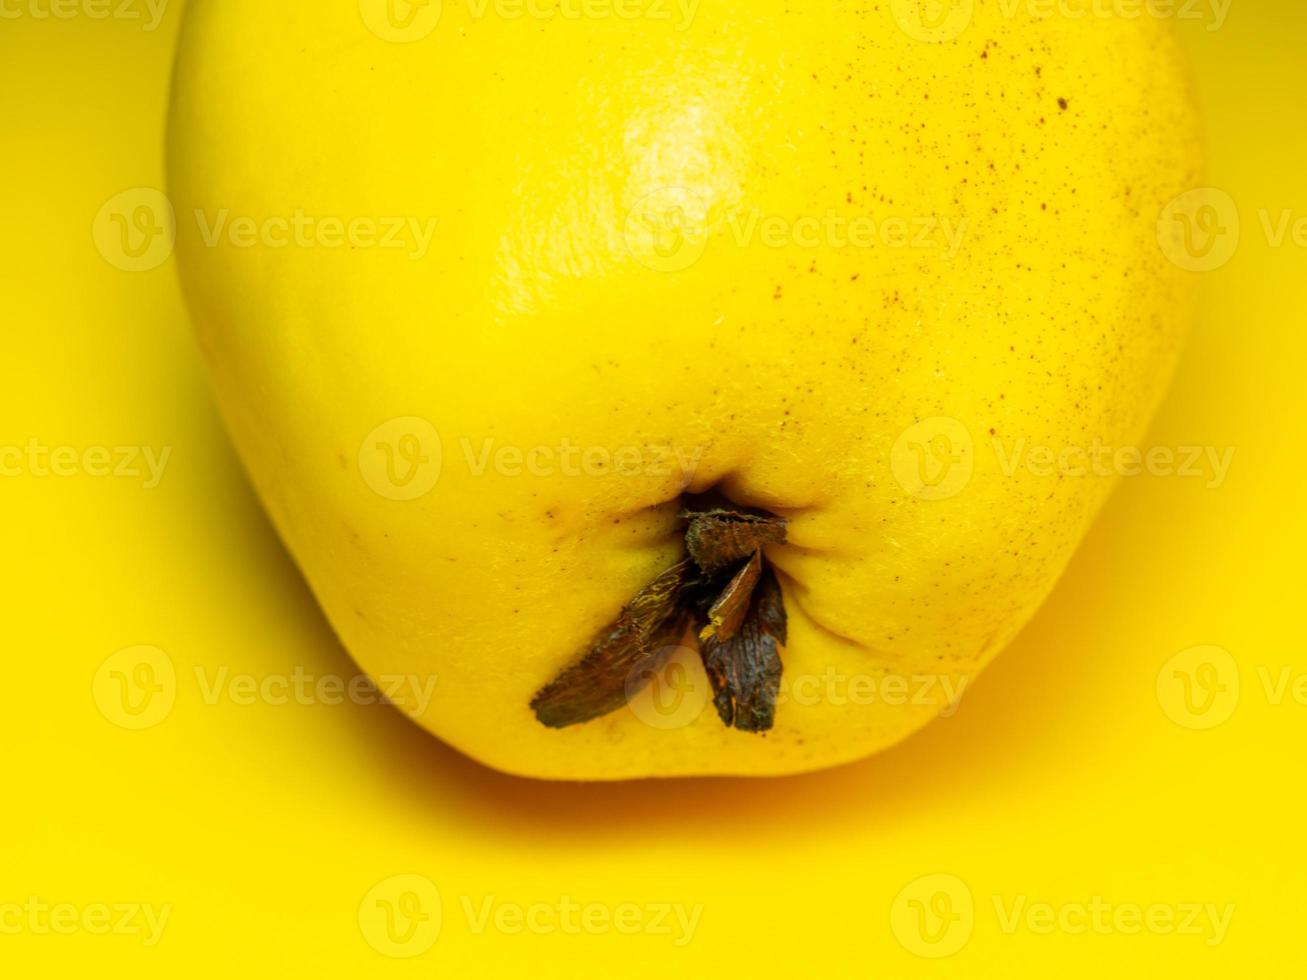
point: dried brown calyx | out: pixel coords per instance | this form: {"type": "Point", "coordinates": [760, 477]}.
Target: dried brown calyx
{"type": "Point", "coordinates": [725, 594]}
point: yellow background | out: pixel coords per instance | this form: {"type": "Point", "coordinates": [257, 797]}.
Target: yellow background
{"type": "Point", "coordinates": [1068, 775]}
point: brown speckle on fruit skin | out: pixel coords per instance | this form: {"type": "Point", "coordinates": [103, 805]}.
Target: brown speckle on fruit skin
{"type": "Point", "coordinates": [1062, 104]}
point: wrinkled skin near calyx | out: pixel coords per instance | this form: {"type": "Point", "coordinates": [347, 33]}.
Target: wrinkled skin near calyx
{"type": "Point", "coordinates": [780, 363]}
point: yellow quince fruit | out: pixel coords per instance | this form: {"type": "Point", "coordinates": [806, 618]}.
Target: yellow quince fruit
{"type": "Point", "coordinates": [683, 387]}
